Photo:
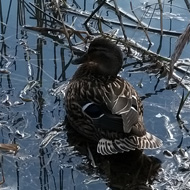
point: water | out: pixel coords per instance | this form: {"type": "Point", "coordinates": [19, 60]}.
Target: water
{"type": "Point", "coordinates": [39, 62]}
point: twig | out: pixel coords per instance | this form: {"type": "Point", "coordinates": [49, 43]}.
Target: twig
{"type": "Point", "coordinates": [179, 81]}
{"type": "Point", "coordinates": [151, 16]}
{"type": "Point", "coordinates": [69, 28]}
{"type": "Point", "coordinates": [120, 19]}
{"type": "Point", "coordinates": [126, 15]}
{"type": "Point", "coordinates": [64, 27]}
{"type": "Point", "coordinates": [94, 11]}
{"type": "Point", "coordinates": [9, 148]}
{"type": "Point", "coordinates": [36, 7]}
{"type": "Point", "coordinates": [146, 27]}
{"type": "Point", "coordinates": [182, 70]}
{"type": "Point", "coordinates": [70, 31]}
{"type": "Point", "coordinates": [139, 22]}
{"type": "Point", "coordinates": [187, 4]}
{"type": "Point", "coordinates": [183, 99]}
{"type": "Point", "coordinates": [161, 16]}
{"type": "Point", "coordinates": [185, 182]}
{"type": "Point", "coordinates": [75, 12]}
{"type": "Point", "coordinates": [3, 177]}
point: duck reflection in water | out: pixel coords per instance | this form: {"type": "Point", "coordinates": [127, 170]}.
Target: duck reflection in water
{"type": "Point", "coordinates": [131, 170]}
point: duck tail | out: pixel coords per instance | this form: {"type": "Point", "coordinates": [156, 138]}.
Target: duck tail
{"type": "Point", "coordinates": [148, 141]}
{"type": "Point", "coordinates": [108, 147]}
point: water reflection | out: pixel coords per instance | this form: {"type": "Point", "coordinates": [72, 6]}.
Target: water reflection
{"type": "Point", "coordinates": [32, 61]}
{"type": "Point", "coordinates": [133, 170]}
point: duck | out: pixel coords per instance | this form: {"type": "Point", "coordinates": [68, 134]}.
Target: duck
{"type": "Point", "coordinates": [102, 106]}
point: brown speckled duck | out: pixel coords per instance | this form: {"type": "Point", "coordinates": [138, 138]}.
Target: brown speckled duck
{"type": "Point", "coordinates": [104, 107]}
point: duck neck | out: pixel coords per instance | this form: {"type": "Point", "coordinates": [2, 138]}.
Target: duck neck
{"type": "Point", "coordinates": [91, 70]}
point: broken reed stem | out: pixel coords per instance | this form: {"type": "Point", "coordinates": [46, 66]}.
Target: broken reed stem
{"type": "Point", "coordinates": [139, 22]}
{"type": "Point", "coordinates": [161, 17]}
{"type": "Point", "coordinates": [180, 44]}
{"type": "Point", "coordinates": [120, 19]}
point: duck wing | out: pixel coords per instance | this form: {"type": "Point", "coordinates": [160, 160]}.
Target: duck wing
{"type": "Point", "coordinates": [126, 116]}
{"type": "Point", "coordinates": [103, 118]}
{"type": "Point", "coordinates": [122, 100]}
{"type": "Point", "coordinates": [117, 114]}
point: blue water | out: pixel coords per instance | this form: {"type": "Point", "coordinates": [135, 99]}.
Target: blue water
{"type": "Point", "coordinates": [63, 163]}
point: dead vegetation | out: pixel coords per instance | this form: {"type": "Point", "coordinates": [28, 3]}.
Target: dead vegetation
{"type": "Point", "coordinates": [151, 62]}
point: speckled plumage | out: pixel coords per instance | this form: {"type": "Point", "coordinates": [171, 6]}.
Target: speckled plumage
{"type": "Point", "coordinates": [104, 107]}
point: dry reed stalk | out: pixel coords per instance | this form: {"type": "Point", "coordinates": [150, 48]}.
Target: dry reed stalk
{"type": "Point", "coordinates": [180, 44]}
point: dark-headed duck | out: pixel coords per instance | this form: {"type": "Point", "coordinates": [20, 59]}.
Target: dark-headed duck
{"type": "Point", "coordinates": [104, 107]}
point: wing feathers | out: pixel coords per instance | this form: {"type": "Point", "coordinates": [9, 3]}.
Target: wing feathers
{"type": "Point", "coordinates": [148, 141]}
{"type": "Point", "coordinates": [129, 119]}
{"type": "Point", "coordinates": [105, 147]}
{"type": "Point", "coordinates": [121, 99]}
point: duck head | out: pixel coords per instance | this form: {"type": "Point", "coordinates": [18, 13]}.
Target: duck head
{"type": "Point", "coordinates": [103, 57]}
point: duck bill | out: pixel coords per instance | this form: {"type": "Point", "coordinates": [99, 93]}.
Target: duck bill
{"type": "Point", "coordinates": [80, 60]}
